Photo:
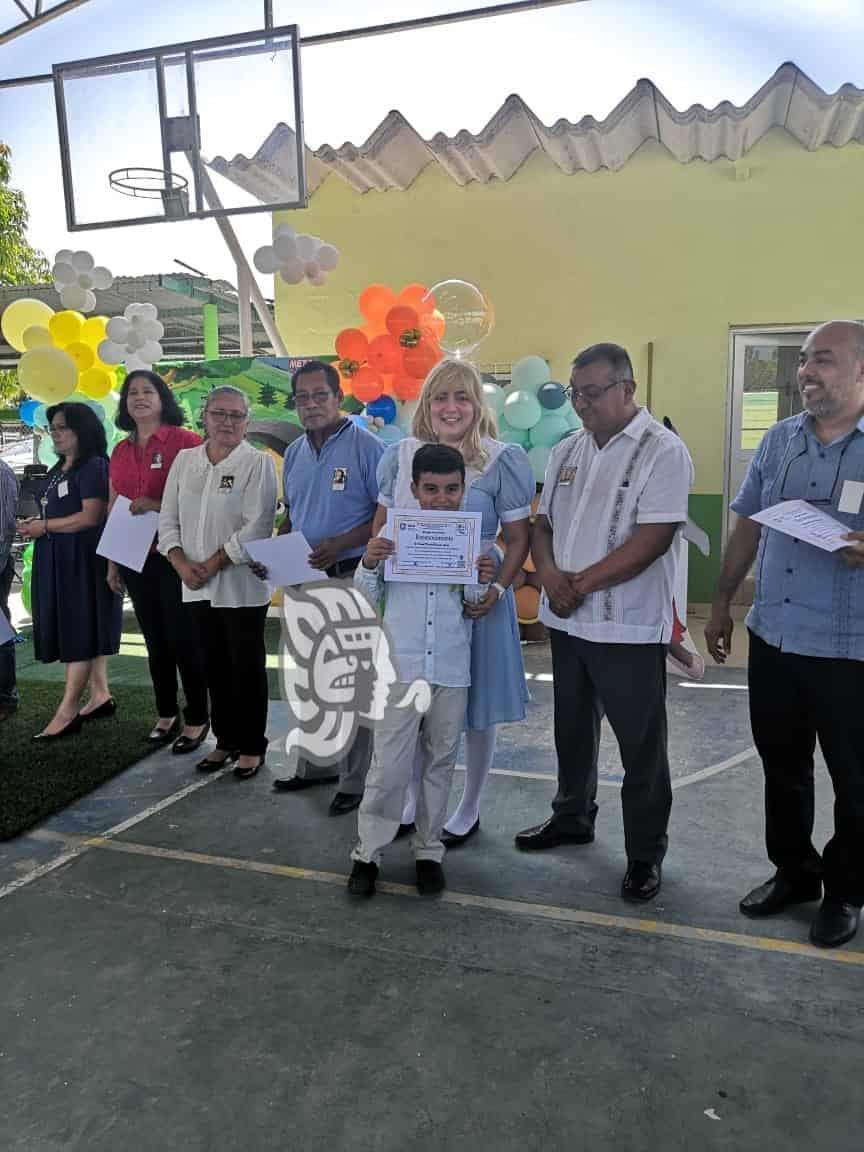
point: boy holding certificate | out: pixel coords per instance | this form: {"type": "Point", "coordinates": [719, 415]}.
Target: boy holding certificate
{"type": "Point", "coordinates": [431, 640]}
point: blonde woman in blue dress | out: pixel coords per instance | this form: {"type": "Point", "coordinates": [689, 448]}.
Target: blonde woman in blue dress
{"type": "Point", "coordinates": [500, 485]}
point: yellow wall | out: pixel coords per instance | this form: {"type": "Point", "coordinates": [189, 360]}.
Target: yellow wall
{"type": "Point", "coordinates": [658, 252]}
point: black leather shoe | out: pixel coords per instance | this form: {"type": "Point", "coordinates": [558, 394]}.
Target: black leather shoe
{"type": "Point", "coordinates": [252, 770]}
{"type": "Point", "coordinates": [184, 744]}
{"type": "Point", "coordinates": [361, 882]}
{"type": "Point", "coordinates": [453, 839]}
{"type": "Point", "coordinates": [641, 880]}
{"type": "Point", "coordinates": [208, 765]}
{"type": "Point", "coordinates": [835, 923]}
{"type": "Point", "coordinates": [296, 784]}
{"type": "Point", "coordinates": [159, 737]}
{"type": "Point", "coordinates": [107, 708]}
{"type": "Point", "coordinates": [405, 830]}
{"type": "Point", "coordinates": [548, 835]}
{"type": "Point", "coordinates": [430, 877]}
{"type": "Point", "coordinates": [343, 803]}
{"type": "Point", "coordinates": [70, 729]}
{"type": "Point", "coordinates": [779, 893]}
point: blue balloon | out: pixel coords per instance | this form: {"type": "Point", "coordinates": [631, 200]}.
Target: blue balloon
{"type": "Point", "coordinates": [27, 411]}
{"type": "Point", "coordinates": [551, 395]}
{"type": "Point", "coordinates": [360, 420]}
{"type": "Point", "coordinates": [384, 408]}
{"type": "Point", "coordinates": [390, 434]}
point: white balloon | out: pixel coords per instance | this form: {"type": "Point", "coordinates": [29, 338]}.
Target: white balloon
{"type": "Point", "coordinates": [148, 311]}
{"type": "Point", "coordinates": [265, 260]}
{"type": "Point", "coordinates": [319, 279]}
{"type": "Point", "coordinates": [133, 363]}
{"type": "Point", "coordinates": [310, 269]}
{"type": "Point", "coordinates": [73, 296]}
{"type": "Point", "coordinates": [153, 329]}
{"type": "Point", "coordinates": [117, 329]}
{"type": "Point", "coordinates": [151, 351]}
{"type": "Point", "coordinates": [285, 249]}
{"type": "Point", "coordinates": [136, 339]}
{"type": "Point", "coordinates": [328, 257]}
{"type": "Point", "coordinates": [63, 273]}
{"type": "Point", "coordinates": [306, 247]}
{"type": "Point", "coordinates": [85, 280]}
{"type": "Point", "coordinates": [102, 278]}
{"type": "Point", "coordinates": [293, 272]}
{"type": "Point", "coordinates": [64, 256]}
{"type": "Point", "coordinates": [284, 230]}
{"type": "Point", "coordinates": [111, 353]}
{"type": "Point", "coordinates": [89, 304]}
{"type": "Point", "coordinates": [82, 261]}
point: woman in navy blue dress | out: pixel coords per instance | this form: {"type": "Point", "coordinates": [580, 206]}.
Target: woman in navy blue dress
{"type": "Point", "coordinates": [76, 616]}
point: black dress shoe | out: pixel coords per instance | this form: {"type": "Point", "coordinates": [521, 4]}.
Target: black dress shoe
{"type": "Point", "coordinates": [70, 729]}
{"type": "Point", "coordinates": [184, 744]}
{"type": "Point", "coordinates": [430, 877]}
{"type": "Point", "coordinates": [107, 708]}
{"type": "Point", "coordinates": [453, 839]}
{"type": "Point", "coordinates": [779, 893]}
{"type": "Point", "coordinates": [159, 737]}
{"type": "Point", "coordinates": [343, 803]}
{"type": "Point", "coordinates": [641, 880]}
{"type": "Point", "coordinates": [361, 882]}
{"type": "Point", "coordinates": [252, 770]}
{"type": "Point", "coordinates": [835, 923]}
{"type": "Point", "coordinates": [298, 784]}
{"type": "Point", "coordinates": [549, 835]}
{"type": "Point", "coordinates": [405, 830]}
{"type": "Point", "coordinates": [208, 765]}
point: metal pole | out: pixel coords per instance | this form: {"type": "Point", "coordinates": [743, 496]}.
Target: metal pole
{"type": "Point", "coordinates": [39, 18]}
{"type": "Point", "coordinates": [244, 303]}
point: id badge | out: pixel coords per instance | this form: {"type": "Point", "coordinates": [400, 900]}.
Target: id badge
{"type": "Point", "coordinates": [566, 477]}
{"type": "Point", "coordinates": [226, 485]}
{"type": "Point", "coordinates": [340, 478]}
{"type": "Point", "coordinates": [851, 497]}
{"type": "Point", "coordinates": [62, 489]}
{"type": "Point", "coordinates": [156, 462]}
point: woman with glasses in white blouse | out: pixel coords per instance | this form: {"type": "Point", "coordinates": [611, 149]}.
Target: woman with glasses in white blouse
{"type": "Point", "coordinates": [218, 497]}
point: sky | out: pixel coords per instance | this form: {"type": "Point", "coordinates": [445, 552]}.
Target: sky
{"type": "Point", "coordinates": [566, 62]}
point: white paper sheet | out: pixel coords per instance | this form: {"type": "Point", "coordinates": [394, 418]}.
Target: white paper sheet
{"type": "Point", "coordinates": [127, 539]}
{"type": "Point", "coordinates": [811, 525]}
{"type": "Point", "coordinates": [433, 547]}
{"type": "Point", "coordinates": [286, 559]}
{"type": "Point", "coordinates": [6, 631]}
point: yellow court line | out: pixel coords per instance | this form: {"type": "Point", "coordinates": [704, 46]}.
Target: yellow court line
{"type": "Point", "coordinates": [520, 908]}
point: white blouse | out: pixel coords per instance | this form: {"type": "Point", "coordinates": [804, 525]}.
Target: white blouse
{"type": "Point", "coordinates": [210, 506]}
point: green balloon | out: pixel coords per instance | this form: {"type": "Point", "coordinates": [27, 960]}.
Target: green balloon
{"type": "Point", "coordinates": [46, 452]}
{"type": "Point", "coordinates": [539, 458]}
{"type": "Point", "coordinates": [529, 374]}
{"type": "Point", "coordinates": [522, 410]}
{"type": "Point", "coordinates": [549, 430]}
{"type": "Point", "coordinates": [513, 435]}
{"type": "Point", "coordinates": [494, 397]}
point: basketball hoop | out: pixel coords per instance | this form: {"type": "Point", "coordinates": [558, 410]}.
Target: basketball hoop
{"type": "Point", "coordinates": [154, 184]}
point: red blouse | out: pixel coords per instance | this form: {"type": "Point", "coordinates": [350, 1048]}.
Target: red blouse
{"type": "Point", "coordinates": [134, 472]}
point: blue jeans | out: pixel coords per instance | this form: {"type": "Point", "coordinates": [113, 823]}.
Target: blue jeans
{"type": "Point", "coordinates": [8, 689]}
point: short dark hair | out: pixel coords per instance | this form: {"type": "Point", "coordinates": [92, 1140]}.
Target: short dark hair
{"type": "Point", "coordinates": [332, 376]}
{"type": "Point", "coordinates": [172, 413]}
{"type": "Point", "coordinates": [438, 459]}
{"type": "Point", "coordinates": [86, 425]}
{"type": "Point", "coordinates": [615, 356]}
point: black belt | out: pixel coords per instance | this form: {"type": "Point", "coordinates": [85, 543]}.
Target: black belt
{"type": "Point", "coordinates": [343, 567]}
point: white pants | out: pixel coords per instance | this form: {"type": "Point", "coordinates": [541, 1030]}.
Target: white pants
{"type": "Point", "coordinates": [396, 738]}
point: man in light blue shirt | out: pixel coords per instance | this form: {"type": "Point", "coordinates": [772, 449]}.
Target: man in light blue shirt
{"type": "Point", "coordinates": [806, 664]}
{"type": "Point", "coordinates": [331, 493]}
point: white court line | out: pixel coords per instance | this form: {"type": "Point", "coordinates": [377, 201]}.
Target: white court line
{"type": "Point", "coordinates": [704, 684]}
{"type": "Point", "coordinates": [90, 841]}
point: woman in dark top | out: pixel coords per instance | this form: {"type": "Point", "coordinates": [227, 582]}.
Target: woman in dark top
{"type": "Point", "coordinates": [76, 616]}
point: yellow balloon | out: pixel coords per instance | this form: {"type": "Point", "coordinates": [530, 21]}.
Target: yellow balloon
{"type": "Point", "coordinates": [65, 327]}
{"type": "Point", "coordinates": [96, 382]}
{"type": "Point", "coordinates": [94, 330]}
{"type": "Point", "coordinates": [82, 354]}
{"type": "Point", "coordinates": [47, 374]}
{"type": "Point", "coordinates": [20, 315]}
{"type": "Point", "coordinates": [36, 336]}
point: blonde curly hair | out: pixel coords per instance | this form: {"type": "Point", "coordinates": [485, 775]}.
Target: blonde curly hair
{"type": "Point", "coordinates": [457, 374]}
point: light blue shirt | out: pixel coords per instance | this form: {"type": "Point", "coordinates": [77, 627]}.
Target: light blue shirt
{"type": "Point", "coordinates": [429, 636]}
{"type": "Point", "coordinates": [334, 490]}
{"type": "Point", "coordinates": [807, 600]}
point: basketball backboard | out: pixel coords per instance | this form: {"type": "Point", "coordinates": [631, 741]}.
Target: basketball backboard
{"type": "Point", "coordinates": [138, 130]}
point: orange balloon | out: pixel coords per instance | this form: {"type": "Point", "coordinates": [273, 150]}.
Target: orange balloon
{"type": "Point", "coordinates": [419, 362]}
{"type": "Point", "coordinates": [400, 319]}
{"type": "Point", "coordinates": [527, 605]}
{"type": "Point", "coordinates": [412, 297]}
{"type": "Point", "coordinates": [376, 301]}
{"type": "Point", "coordinates": [385, 355]}
{"type": "Point", "coordinates": [346, 384]}
{"type": "Point", "coordinates": [386, 383]}
{"type": "Point", "coordinates": [351, 344]}
{"type": "Point", "coordinates": [407, 388]}
{"type": "Point", "coordinates": [366, 384]}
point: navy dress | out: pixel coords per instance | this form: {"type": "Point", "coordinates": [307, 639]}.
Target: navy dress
{"type": "Point", "coordinates": [76, 616]}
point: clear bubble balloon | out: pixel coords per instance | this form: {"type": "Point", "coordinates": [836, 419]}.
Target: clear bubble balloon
{"type": "Point", "coordinates": [467, 314]}
{"type": "Point", "coordinates": [494, 397]}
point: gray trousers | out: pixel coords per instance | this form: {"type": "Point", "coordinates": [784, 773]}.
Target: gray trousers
{"type": "Point", "coordinates": [627, 682]}
{"type": "Point", "coordinates": [350, 768]}
{"type": "Point", "coordinates": [396, 741]}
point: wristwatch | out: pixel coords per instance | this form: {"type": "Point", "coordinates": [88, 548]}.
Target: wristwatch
{"type": "Point", "coordinates": [499, 588]}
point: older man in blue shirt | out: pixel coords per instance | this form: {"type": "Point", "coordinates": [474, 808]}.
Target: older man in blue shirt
{"type": "Point", "coordinates": [806, 665]}
{"type": "Point", "coordinates": [331, 494]}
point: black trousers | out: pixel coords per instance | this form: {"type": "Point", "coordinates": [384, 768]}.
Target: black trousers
{"type": "Point", "coordinates": [8, 688]}
{"type": "Point", "coordinates": [172, 639]}
{"type": "Point", "coordinates": [793, 701]}
{"type": "Point", "coordinates": [627, 682]}
{"type": "Point", "coordinates": [236, 662]}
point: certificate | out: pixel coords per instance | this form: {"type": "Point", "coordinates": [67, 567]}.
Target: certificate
{"type": "Point", "coordinates": [433, 547]}
{"type": "Point", "coordinates": [811, 525]}
{"type": "Point", "coordinates": [286, 559]}
{"type": "Point", "coordinates": [127, 539]}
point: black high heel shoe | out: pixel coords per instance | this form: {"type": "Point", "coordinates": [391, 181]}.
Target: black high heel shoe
{"type": "Point", "coordinates": [107, 708]}
{"type": "Point", "coordinates": [70, 729]}
{"type": "Point", "coordinates": [248, 773]}
{"type": "Point", "coordinates": [184, 744]}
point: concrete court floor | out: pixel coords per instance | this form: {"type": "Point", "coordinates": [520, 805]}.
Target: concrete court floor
{"type": "Point", "coordinates": [193, 976]}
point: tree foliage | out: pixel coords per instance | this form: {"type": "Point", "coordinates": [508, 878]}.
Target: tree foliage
{"type": "Point", "coordinates": [19, 262]}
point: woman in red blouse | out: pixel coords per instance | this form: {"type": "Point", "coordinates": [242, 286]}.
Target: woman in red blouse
{"type": "Point", "coordinates": [148, 411]}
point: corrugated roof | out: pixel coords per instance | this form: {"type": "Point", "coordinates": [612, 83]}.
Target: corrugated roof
{"type": "Point", "coordinates": [395, 154]}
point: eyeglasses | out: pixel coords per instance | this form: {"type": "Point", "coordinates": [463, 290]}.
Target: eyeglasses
{"type": "Point", "coordinates": [304, 399]}
{"type": "Point", "coordinates": [233, 417]}
{"type": "Point", "coordinates": [590, 397]}
{"type": "Point", "coordinates": [795, 493]}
